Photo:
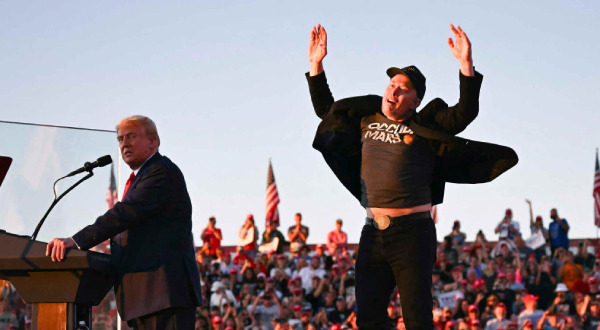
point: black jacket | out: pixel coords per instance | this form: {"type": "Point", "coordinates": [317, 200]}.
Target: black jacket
{"type": "Point", "coordinates": [459, 160]}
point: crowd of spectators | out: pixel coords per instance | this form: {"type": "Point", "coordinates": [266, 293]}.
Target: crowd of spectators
{"type": "Point", "coordinates": [271, 282]}
{"type": "Point", "coordinates": [516, 282]}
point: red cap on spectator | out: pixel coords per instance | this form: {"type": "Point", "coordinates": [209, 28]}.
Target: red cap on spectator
{"type": "Point", "coordinates": [449, 324]}
{"type": "Point", "coordinates": [593, 280]}
{"type": "Point", "coordinates": [472, 308]}
{"type": "Point", "coordinates": [217, 319]}
{"type": "Point", "coordinates": [475, 322]}
{"type": "Point", "coordinates": [297, 291]}
{"type": "Point", "coordinates": [297, 278]}
{"type": "Point", "coordinates": [233, 271]}
{"type": "Point", "coordinates": [531, 256]}
{"type": "Point", "coordinates": [501, 275]}
{"type": "Point", "coordinates": [529, 298]}
{"type": "Point", "coordinates": [335, 266]}
{"type": "Point", "coordinates": [297, 308]}
{"type": "Point", "coordinates": [335, 327]}
{"type": "Point", "coordinates": [501, 305]}
{"type": "Point", "coordinates": [463, 281]}
{"type": "Point", "coordinates": [261, 275]}
{"type": "Point", "coordinates": [281, 256]}
{"type": "Point", "coordinates": [479, 283]}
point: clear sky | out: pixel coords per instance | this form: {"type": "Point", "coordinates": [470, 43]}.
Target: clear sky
{"type": "Point", "coordinates": [224, 81]}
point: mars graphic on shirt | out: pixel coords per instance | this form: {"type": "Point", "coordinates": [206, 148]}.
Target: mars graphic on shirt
{"type": "Point", "coordinates": [389, 133]}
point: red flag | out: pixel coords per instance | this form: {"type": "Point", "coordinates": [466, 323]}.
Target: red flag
{"type": "Point", "coordinates": [596, 193]}
{"type": "Point", "coordinates": [272, 198]}
{"type": "Point", "coordinates": [111, 194]}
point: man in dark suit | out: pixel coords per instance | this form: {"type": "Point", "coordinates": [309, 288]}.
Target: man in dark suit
{"type": "Point", "coordinates": [395, 161]}
{"type": "Point", "coordinates": [157, 284]}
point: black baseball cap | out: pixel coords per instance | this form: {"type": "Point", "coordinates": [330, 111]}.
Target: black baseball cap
{"type": "Point", "coordinates": [414, 75]}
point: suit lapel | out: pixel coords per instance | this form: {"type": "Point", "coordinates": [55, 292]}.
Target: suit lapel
{"type": "Point", "coordinates": [144, 169]}
{"type": "Point", "coordinates": [121, 238]}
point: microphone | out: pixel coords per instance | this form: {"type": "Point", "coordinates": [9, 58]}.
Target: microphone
{"type": "Point", "coordinates": [102, 161]}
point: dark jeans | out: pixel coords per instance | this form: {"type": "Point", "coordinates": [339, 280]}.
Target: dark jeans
{"type": "Point", "coordinates": [403, 254]}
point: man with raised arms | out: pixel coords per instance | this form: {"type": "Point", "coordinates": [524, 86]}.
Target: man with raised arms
{"type": "Point", "coordinates": [392, 159]}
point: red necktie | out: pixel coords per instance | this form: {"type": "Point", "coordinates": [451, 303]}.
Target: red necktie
{"type": "Point", "coordinates": [121, 238]}
{"type": "Point", "coordinates": [127, 184]}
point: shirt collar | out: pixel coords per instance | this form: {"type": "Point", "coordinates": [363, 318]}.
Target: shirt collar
{"type": "Point", "coordinates": [135, 172]}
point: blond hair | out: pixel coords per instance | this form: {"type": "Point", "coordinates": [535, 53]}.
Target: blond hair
{"type": "Point", "coordinates": [142, 121]}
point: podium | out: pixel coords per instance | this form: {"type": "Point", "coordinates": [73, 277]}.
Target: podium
{"type": "Point", "coordinates": [62, 293]}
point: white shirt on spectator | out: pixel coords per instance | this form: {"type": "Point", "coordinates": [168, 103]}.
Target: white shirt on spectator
{"type": "Point", "coordinates": [216, 299]}
{"type": "Point", "coordinates": [266, 314]}
{"type": "Point", "coordinates": [307, 275]}
{"type": "Point", "coordinates": [534, 317]}
{"type": "Point", "coordinates": [494, 324]}
{"type": "Point", "coordinates": [505, 233]}
{"type": "Point", "coordinates": [286, 270]}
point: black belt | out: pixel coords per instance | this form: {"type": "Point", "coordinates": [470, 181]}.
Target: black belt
{"type": "Point", "coordinates": [381, 222]}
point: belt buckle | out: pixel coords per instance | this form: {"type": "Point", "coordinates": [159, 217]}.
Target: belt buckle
{"type": "Point", "coordinates": [381, 222]}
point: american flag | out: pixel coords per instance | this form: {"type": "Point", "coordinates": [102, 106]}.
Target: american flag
{"type": "Point", "coordinates": [111, 199]}
{"type": "Point", "coordinates": [111, 194]}
{"type": "Point", "coordinates": [272, 198]}
{"type": "Point", "coordinates": [596, 193]}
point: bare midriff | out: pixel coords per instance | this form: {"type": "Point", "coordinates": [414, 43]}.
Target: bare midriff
{"type": "Point", "coordinates": [397, 212]}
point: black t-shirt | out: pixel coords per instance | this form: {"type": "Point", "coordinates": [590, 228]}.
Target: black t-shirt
{"type": "Point", "coordinates": [397, 165]}
{"type": "Point", "coordinates": [338, 317]}
{"type": "Point", "coordinates": [591, 322]}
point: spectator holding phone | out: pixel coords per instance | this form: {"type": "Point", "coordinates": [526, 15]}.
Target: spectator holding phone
{"type": "Point", "coordinates": [211, 236]}
{"type": "Point", "coordinates": [507, 228]}
{"type": "Point", "coordinates": [265, 309]}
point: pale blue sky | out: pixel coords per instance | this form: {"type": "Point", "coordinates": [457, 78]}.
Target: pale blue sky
{"type": "Point", "coordinates": [224, 81]}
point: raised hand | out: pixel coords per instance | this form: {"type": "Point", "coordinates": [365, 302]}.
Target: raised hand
{"type": "Point", "coordinates": [461, 49]}
{"type": "Point", "coordinates": [317, 49]}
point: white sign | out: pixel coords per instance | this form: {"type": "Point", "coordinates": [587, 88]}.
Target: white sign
{"type": "Point", "coordinates": [535, 241]}
{"type": "Point", "coordinates": [448, 299]}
